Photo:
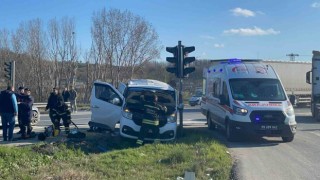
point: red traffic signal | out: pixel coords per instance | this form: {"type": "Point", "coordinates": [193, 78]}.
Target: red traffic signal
{"type": "Point", "coordinates": [174, 67]}
{"type": "Point", "coordinates": [8, 70]}
{"type": "Point", "coordinates": [187, 60]}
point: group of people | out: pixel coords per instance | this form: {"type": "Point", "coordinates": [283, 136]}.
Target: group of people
{"type": "Point", "coordinates": [16, 104]}
{"type": "Point", "coordinates": [58, 109]}
{"type": "Point", "coordinates": [19, 105]}
{"type": "Point", "coordinates": [70, 96]}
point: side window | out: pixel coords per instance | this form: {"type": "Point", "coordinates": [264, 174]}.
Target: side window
{"type": "Point", "coordinates": [225, 93]}
{"type": "Point", "coordinates": [216, 87]}
{"type": "Point", "coordinates": [105, 93]}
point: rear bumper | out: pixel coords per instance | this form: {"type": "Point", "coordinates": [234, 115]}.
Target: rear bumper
{"type": "Point", "coordinates": [263, 129]}
{"type": "Point", "coordinates": [193, 103]}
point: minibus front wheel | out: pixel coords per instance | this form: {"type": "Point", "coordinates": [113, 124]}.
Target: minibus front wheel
{"type": "Point", "coordinates": [230, 132]}
{"type": "Point", "coordinates": [211, 125]}
{"type": "Point", "coordinates": [288, 139]}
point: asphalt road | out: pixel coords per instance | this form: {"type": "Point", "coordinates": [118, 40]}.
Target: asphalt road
{"type": "Point", "coordinates": [262, 158]}
{"type": "Point", "coordinates": [271, 158]}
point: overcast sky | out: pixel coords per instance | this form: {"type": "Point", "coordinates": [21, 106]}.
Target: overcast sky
{"type": "Point", "coordinates": [265, 29]}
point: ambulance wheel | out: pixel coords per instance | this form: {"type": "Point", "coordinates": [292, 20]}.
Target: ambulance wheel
{"type": "Point", "coordinates": [230, 133]}
{"type": "Point", "coordinates": [211, 125]}
{"type": "Point", "coordinates": [288, 139]}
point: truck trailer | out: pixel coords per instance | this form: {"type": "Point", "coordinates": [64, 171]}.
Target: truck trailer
{"type": "Point", "coordinates": [292, 75]}
{"type": "Point", "coordinates": [313, 78]}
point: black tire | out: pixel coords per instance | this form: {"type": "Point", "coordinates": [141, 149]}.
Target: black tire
{"type": "Point", "coordinates": [230, 133]}
{"type": "Point", "coordinates": [288, 139]}
{"type": "Point", "coordinates": [35, 118]}
{"type": "Point", "coordinates": [211, 125]}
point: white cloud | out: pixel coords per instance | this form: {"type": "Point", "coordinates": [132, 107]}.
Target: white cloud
{"type": "Point", "coordinates": [207, 37]}
{"type": "Point", "coordinates": [256, 31]}
{"type": "Point", "coordinates": [243, 12]}
{"type": "Point", "coordinates": [203, 55]}
{"type": "Point", "coordinates": [218, 45]}
{"type": "Point", "coordinates": [315, 5]}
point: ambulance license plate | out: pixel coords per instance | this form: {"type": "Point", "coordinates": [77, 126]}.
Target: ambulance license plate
{"type": "Point", "coordinates": [268, 127]}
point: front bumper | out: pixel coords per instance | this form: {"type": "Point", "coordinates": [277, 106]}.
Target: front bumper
{"type": "Point", "coordinates": [263, 129]}
{"type": "Point", "coordinates": [129, 129]}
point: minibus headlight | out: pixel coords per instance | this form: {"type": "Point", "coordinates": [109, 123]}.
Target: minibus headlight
{"type": "Point", "coordinates": [290, 111]}
{"type": "Point", "coordinates": [240, 111]}
{"type": "Point", "coordinates": [172, 118]}
{"type": "Point", "coordinates": [127, 114]}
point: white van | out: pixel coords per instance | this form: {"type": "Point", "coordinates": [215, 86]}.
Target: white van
{"type": "Point", "coordinates": [108, 106]}
{"type": "Point", "coordinates": [247, 97]}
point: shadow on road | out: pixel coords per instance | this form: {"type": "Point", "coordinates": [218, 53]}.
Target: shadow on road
{"type": "Point", "coordinates": [306, 120]}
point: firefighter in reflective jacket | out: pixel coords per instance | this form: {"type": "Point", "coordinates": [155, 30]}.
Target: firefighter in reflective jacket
{"type": "Point", "coordinates": [150, 122]}
{"type": "Point", "coordinates": [58, 110]}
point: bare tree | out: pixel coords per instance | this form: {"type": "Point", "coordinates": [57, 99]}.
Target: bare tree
{"type": "Point", "coordinates": [4, 48]}
{"type": "Point", "coordinates": [63, 51]}
{"type": "Point", "coordinates": [36, 47]}
{"type": "Point", "coordinates": [123, 41]}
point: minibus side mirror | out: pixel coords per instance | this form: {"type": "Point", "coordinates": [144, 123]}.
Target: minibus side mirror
{"type": "Point", "coordinates": [116, 101]}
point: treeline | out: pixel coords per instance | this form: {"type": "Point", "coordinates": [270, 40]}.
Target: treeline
{"type": "Point", "coordinates": [123, 46]}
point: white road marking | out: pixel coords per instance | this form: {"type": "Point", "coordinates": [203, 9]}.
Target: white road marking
{"type": "Point", "coordinates": [316, 132]}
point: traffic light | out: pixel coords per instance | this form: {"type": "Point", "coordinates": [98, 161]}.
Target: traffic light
{"type": "Point", "coordinates": [8, 70]}
{"type": "Point", "coordinates": [175, 60]}
{"type": "Point", "coordinates": [187, 60]}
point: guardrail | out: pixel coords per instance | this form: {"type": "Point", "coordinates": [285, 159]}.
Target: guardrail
{"type": "Point", "coordinates": [43, 105]}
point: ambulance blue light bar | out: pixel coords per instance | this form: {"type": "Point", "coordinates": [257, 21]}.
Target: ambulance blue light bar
{"type": "Point", "coordinates": [231, 61]}
{"type": "Point", "coordinates": [234, 60]}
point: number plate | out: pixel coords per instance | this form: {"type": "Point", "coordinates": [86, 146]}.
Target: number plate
{"type": "Point", "coordinates": [268, 127]}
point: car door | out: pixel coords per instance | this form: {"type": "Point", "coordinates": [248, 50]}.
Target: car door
{"type": "Point", "coordinates": [121, 87]}
{"type": "Point", "coordinates": [106, 103]}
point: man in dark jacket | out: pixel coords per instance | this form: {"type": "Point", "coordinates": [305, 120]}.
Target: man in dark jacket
{"type": "Point", "coordinates": [26, 114]}
{"type": "Point", "coordinates": [57, 111]}
{"type": "Point", "coordinates": [20, 95]}
{"type": "Point", "coordinates": [150, 122]}
{"type": "Point", "coordinates": [66, 94]}
{"type": "Point", "coordinates": [8, 111]}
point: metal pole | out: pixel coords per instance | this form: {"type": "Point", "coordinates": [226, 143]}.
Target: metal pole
{"type": "Point", "coordinates": [180, 63]}
{"type": "Point", "coordinates": [13, 75]}
{"type": "Point", "coordinates": [181, 105]}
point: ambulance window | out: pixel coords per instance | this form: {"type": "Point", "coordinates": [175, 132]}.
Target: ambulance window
{"type": "Point", "coordinates": [225, 93]}
{"type": "Point", "coordinates": [216, 87]}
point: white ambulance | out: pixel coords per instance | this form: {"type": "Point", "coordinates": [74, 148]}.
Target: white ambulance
{"type": "Point", "coordinates": [109, 106]}
{"type": "Point", "coordinates": [247, 97]}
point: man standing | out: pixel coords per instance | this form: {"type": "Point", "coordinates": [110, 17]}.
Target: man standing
{"type": "Point", "coordinates": [73, 99]}
{"type": "Point", "coordinates": [150, 122]}
{"type": "Point", "coordinates": [26, 114]}
{"type": "Point", "coordinates": [8, 111]}
{"type": "Point", "coordinates": [20, 95]}
{"type": "Point", "coordinates": [66, 94]}
{"type": "Point", "coordinates": [55, 102]}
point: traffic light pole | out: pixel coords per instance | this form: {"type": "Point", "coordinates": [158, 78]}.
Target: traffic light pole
{"type": "Point", "coordinates": [13, 70]}
{"type": "Point", "coordinates": [180, 67]}
{"type": "Point", "coordinates": [181, 107]}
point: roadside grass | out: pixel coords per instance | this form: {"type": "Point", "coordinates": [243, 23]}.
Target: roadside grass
{"type": "Point", "coordinates": [196, 152]}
